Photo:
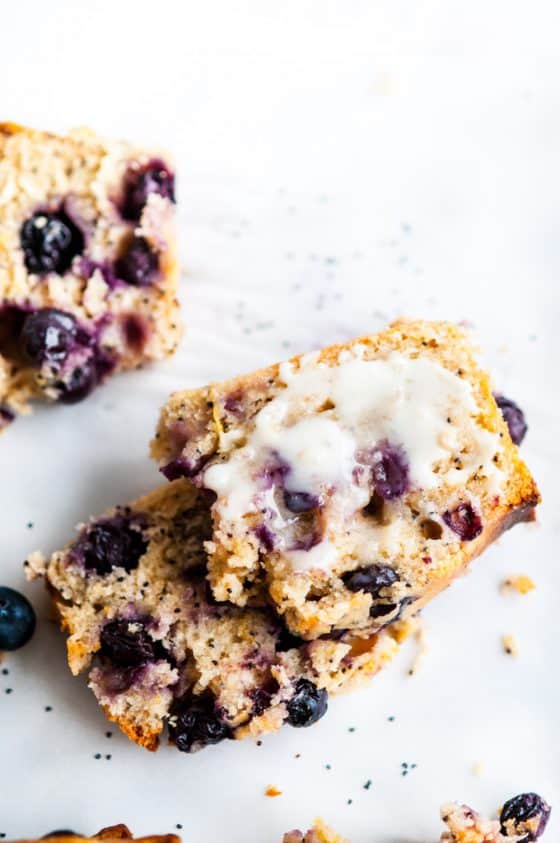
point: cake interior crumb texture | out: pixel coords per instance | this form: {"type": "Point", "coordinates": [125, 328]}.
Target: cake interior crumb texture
{"type": "Point", "coordinates": [88, 267]}
{"type": "Point", "coordinates": [349, 486]}
{"type": "Point", "coordinates": [131, 593]}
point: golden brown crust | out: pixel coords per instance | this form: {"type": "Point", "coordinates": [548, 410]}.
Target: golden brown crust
{"type": "Point", "coordinates": [110, 834]}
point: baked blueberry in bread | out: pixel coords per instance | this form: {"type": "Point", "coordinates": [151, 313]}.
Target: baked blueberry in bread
{"type": "Point", "coordinates": [132, 596]}
{"type": "Point", "coordinates": [88, 269]}
{"type": "Point", "coordinates": [350, 485]}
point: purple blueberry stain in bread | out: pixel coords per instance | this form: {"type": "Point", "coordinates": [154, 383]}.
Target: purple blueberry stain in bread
{"type": "Point", "coordinates": [514, 418]}
{"type": "Point", "coordinates": [181, 467]}
{"type": "Point", "coordinates": [389, 471]}
{"type": "Point", "coordinates": [126, 643]}
{"type": "Point", "coordinates": [116, 680]}
{"type": "Point", "coordinates": [233, 403]}
{"type": "Point", "coordinates": [50, 240]}
{"type": "Point", "coordinates": [525, 817]}
{"type": "Point", "coordinates": [110, 543]}
{"type": "Point", "coordinates": [87, 267]}
{"type": "Point", "coordinates": [262, 696]}
{"type": "Point", "coordinates": [464, 521]}
{"type": "Point", "coordinates": [195, 724]}
{"type": "Point", "coordinates": [135, 329]}
{"type": "Point", "coordinates": [266, 537]}
{"type": "Point", "coordinates": [140, 182]}
{"type": "Point", "coordinates": [273, 472]}
{"type": "Point", "coordinates": [139, 264]}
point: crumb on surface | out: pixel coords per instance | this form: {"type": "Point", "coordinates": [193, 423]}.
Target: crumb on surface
{"type": "Point", "coordinates": [520, 583]}
{"type": "Point", "coordinates": [272, 790]}
{"type": "Point", "coordinates": [420, 639]}
{"type": "Point", "coordinates": [477, 768]}
{"type": "Point", "coordinates": [510, 645]}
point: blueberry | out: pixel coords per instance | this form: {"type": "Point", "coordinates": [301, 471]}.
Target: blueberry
{"type": "Point", "coordinates": [285, 641]}
{"type": "Point", "coordinates": [389, 470]}
{"type": "Point", "coordinates": [140, 182]}
{"type": "Point", "coordinates": [514, 418]}
{"type": "Point", "coordinates": [273, 472]}
{"type": "Point", "coordinates": [126, 643]}
{"type": "Point", "coordinates": [17, 619]}
{"type": "Point", "coordinates": [465, 521]}
{"type": "Point", "coordinates": [371, 579]}
{"type": "Point", "coordinates": [60, 832]}
{"type": "Point", "coordinates": [527, 815]}
{"type": "Point", "coordinates": [308, 704]}
{"type": "Point", "coordinates": [195, 725]}
{"type": "Point", "coordinates": [48, 336]}
{"type": "Point", "coordinates": [139, 264]}
{"type": "Point", "coordinates": [79, 384]}
{"type": "Point", "coordinates": [50, 241]}
{"type": "Point", "coordinates": [379, 610]}
{"type": "Point", "coordinates": [262, 697]}
{"type": "Point", "coordinates": [180, 467]}
{"type": "Point", "coordinates": [300, 501]}
{"type": "Point", "coordinates": [110, 543]}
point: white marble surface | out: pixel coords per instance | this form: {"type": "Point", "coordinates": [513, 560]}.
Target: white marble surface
{"type": "Point", "coordinates": [341, 163]}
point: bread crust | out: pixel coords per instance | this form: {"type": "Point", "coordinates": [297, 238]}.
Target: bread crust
{"type": "Point", "coordinates": [194, 423]}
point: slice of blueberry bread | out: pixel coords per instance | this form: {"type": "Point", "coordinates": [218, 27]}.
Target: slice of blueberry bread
{"type": "Point", "coordinates": [522, 819]}
{"type": "Point", "coordinates": [109, 834]}
{"type": "Point", "coordinates": [352, 484]}
{"type": "Point", "coordinates": [88, 269]}
{"type": "Point", "coordinates": [131, 593]}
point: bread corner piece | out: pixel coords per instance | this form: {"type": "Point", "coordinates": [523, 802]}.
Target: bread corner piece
{"type": "Point", "coordinates": [350, 485]}
{"type": "Point", "coordinates": [88, 263]}
{"type": "Point", "coordinates": [131, 594]}
{"type": "Point", "coordinates": [111, 834]}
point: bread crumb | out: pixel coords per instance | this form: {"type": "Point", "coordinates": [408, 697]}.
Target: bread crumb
{"type": "Point", "coordinates": [520, 583]}
{"type": "Point", "coordinates": [272, 791]}
{"type": "Point", "coordinates": [421, 642]}
{"type": "Point", "coordinates": [510, 645]}
{"type": "Point", "coordinates": [477, 768]}
{"type": "Point", "coordinates": [35, 565]}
